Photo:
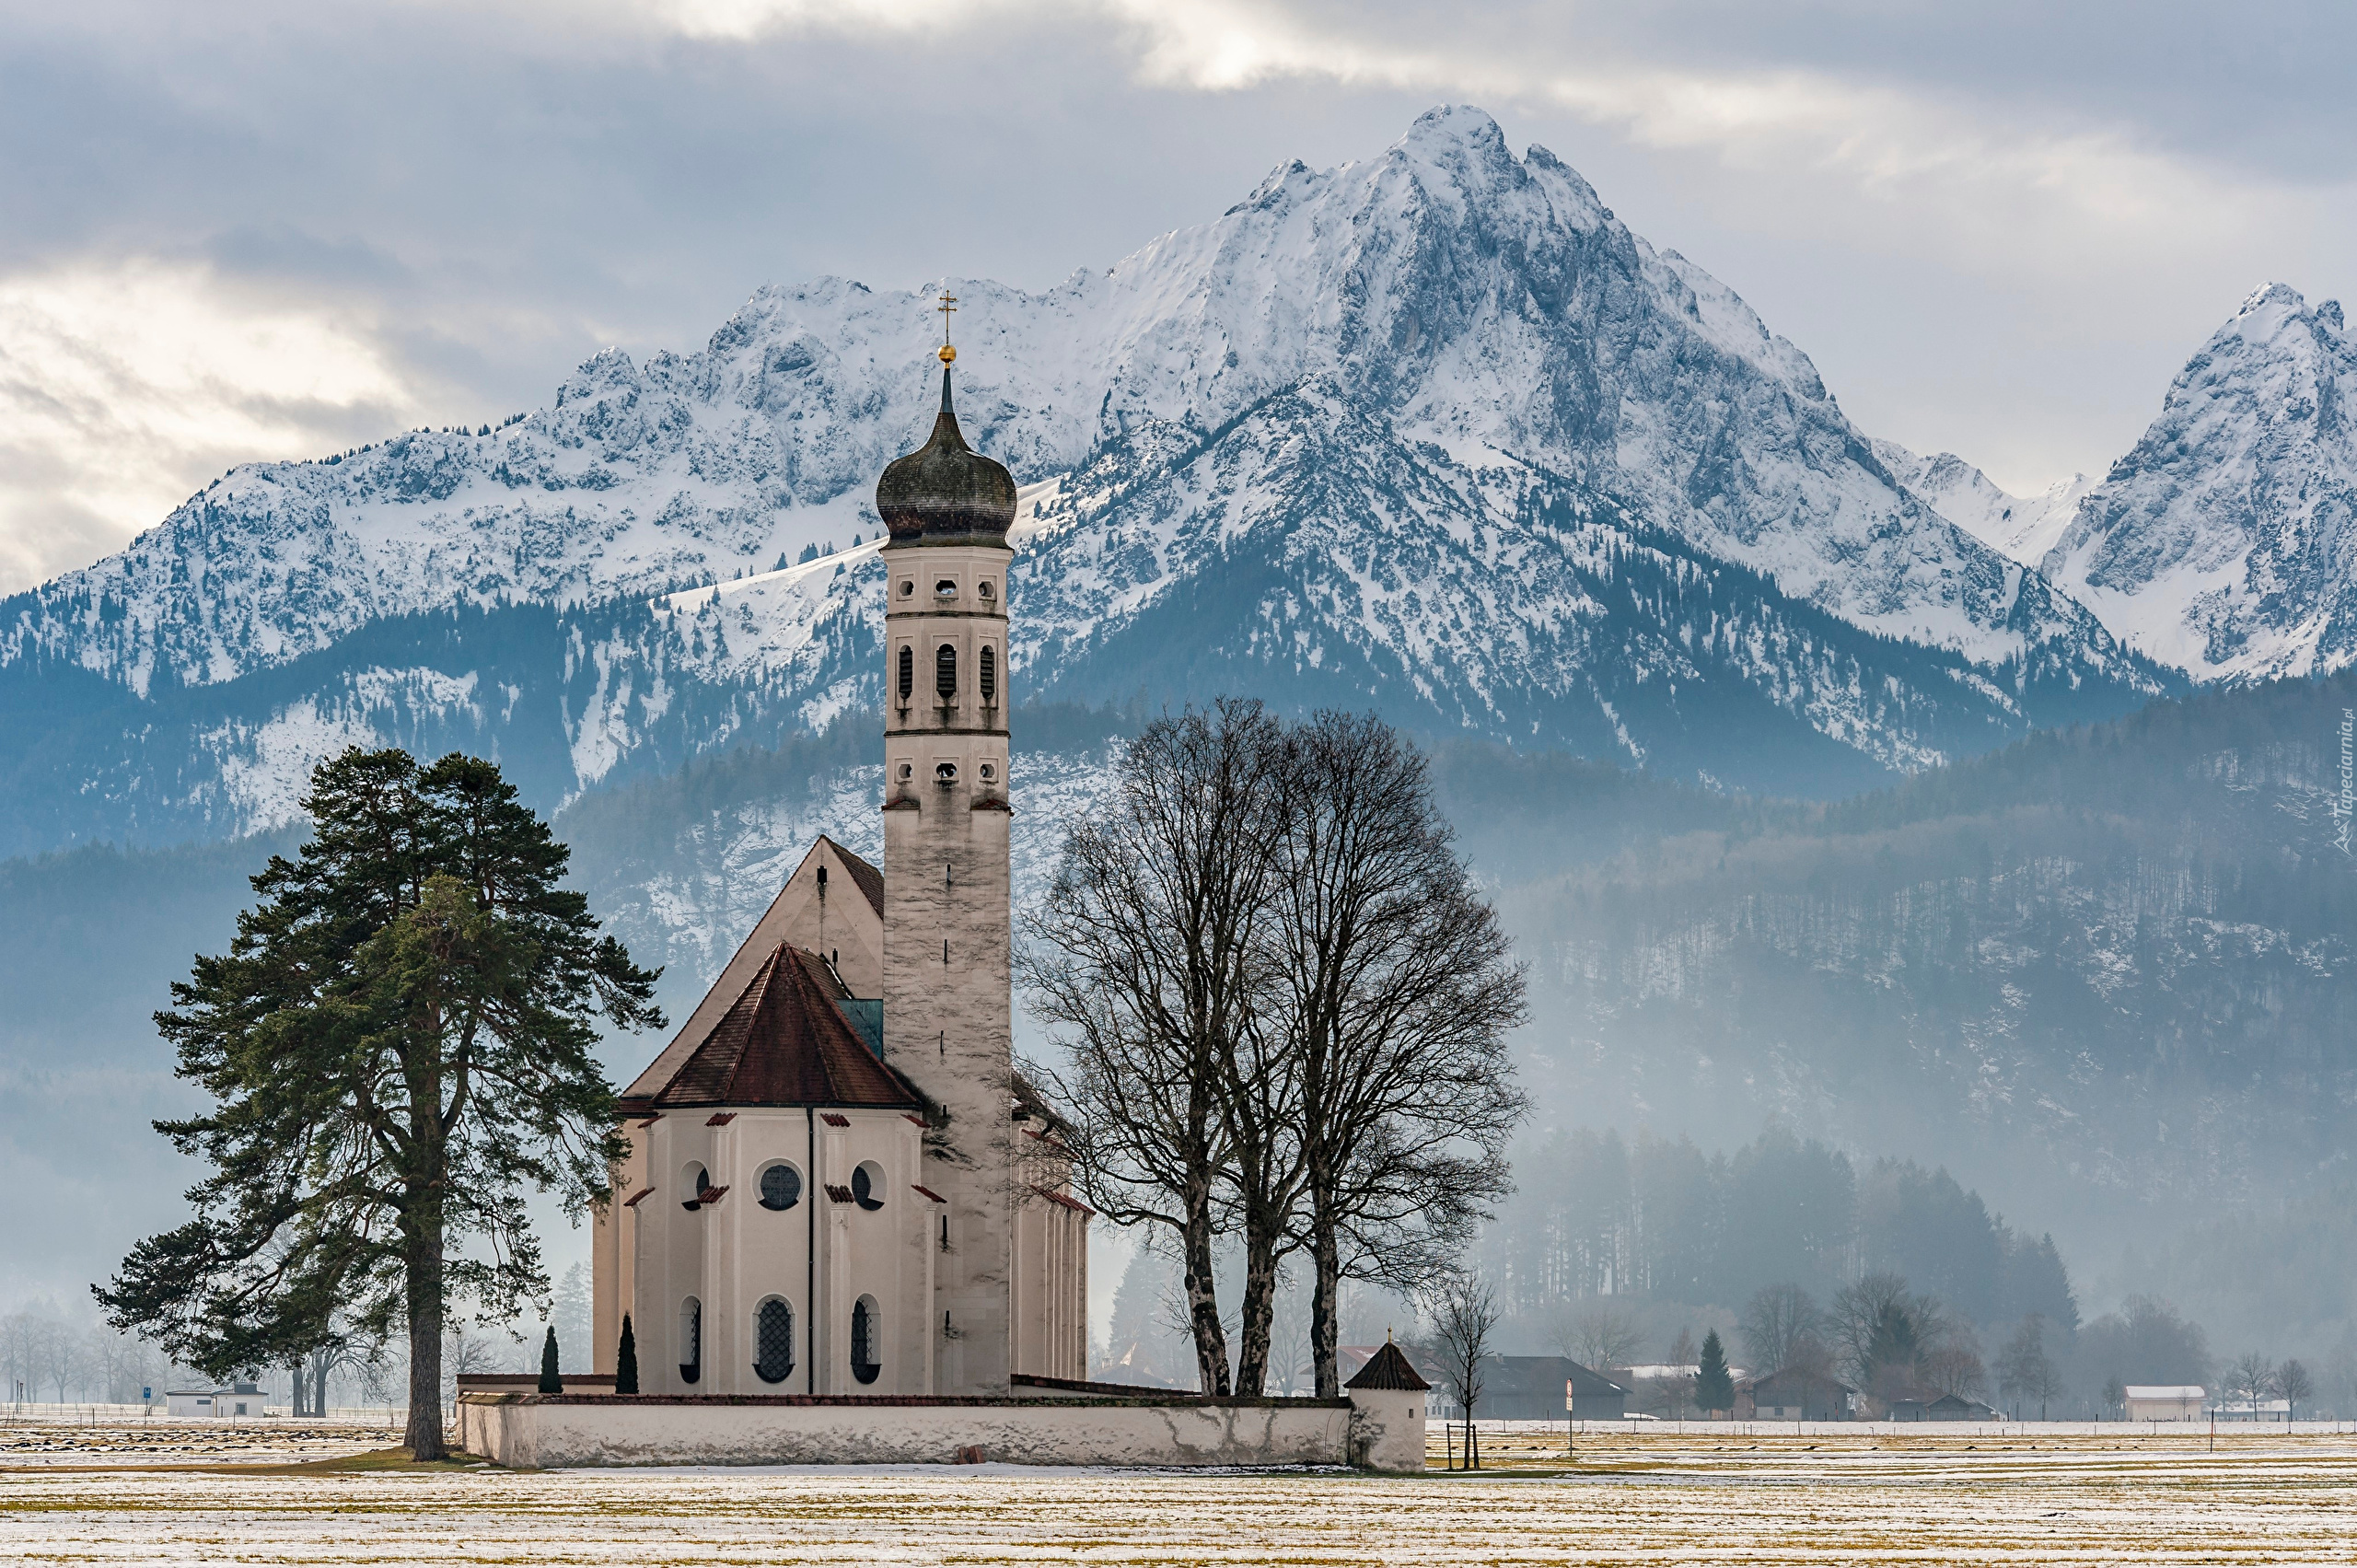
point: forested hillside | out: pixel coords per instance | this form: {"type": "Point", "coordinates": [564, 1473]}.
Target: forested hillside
{"type": "Point", "coordinates": [2117, 956]}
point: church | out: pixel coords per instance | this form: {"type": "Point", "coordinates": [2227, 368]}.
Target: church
{"type": "Point", "coordinates": [838, 1185]}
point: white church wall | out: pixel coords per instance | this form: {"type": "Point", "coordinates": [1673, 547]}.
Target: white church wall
{"type": "Point", "coordinates": [550, 1432]}
{"type": "Point", "coordinates": [732, 1255]}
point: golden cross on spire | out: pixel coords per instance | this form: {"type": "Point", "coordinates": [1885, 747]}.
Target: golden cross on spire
{"type": "Point", "coordinates": [947, 308]}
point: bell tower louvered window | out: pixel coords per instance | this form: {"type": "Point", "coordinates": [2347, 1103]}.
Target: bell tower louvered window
{"type": "Point", "coordinates": [944, 672]}
{"type": "Point", "coordinates": [907, 673]}
{"type": "Point", "coordinates": [987, 669]}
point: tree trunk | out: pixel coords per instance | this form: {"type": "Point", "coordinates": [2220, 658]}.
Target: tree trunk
{"type": "Point", "coordinates": [1325, 1291]}
{"type": "Point", "coordinates": [1203, 1291]}
{"type": "Point", "coordinates": [1260, 1239]}
{"type": "Point", "coordinates": [424, 1435]}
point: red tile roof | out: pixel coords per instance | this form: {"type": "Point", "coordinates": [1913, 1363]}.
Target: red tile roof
{"type": "Point", "coordinates": [1387, 1368]}
{"type": "Point", "coordinates": [1053, 1196]}
{"type": "Point", "coordinates": [784, 1041]}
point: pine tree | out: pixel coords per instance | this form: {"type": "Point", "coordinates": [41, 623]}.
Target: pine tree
{"type": "Point", "coordinates": [400, 1045]}
{"type": "Point", "coordinates": [626, 1361]}
{"type": "Point", "coordinates": [550, 1382]}
{"type": "Point", "coordinates": [1713, 1386]}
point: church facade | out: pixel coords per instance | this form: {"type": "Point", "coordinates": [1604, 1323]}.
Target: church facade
{"type": "Point", "coordinates": [837, 1184]}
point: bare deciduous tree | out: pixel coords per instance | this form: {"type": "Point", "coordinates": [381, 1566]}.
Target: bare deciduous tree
{"type": "Point", "coordinates": [2025, 1371]}
{"type": "Point", "coordinates": [2293, 1385]}
{"type": "Point", "coordinates": [1599, 1336]}
{"type": "Point", "coordinates": [1145, 957]}
{"type": "Point", "coordinates": [1463, 1310]}
{"type": "Point", "coordinates": [1399, 992]}
{"type": "Point", "coordinates": [2250, 1378]}
{"type": "Point", "coordinates": [1782, 1327]}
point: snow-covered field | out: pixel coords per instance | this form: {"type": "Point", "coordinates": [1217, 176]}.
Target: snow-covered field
{"type": "Point", "coordinates": [1856, 1497]}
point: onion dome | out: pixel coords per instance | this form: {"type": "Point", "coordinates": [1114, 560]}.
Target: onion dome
{"type": "Point", "coordinates": [944, 489]}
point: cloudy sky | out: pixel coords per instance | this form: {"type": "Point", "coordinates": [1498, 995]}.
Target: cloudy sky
{"type": "Point", "coordinates": [260, 229]}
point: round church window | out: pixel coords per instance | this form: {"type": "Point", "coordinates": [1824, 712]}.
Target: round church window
{"type": "Point", "coordinates": [781, 1186]}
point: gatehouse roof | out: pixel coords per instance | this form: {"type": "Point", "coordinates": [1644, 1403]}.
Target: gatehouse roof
{"type": "Point", "coordinates": [1388, 1368]}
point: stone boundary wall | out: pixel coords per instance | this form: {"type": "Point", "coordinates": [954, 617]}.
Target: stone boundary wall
{"type": "Point", "coordinates": [564, 1431]}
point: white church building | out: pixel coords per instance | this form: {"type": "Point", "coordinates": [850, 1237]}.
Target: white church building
{"type": "Point", "coordinates": [845, 1231]}
{"type": "Point", "coordinates": [837, 1182]}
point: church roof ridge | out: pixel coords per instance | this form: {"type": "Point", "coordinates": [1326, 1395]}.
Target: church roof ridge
{"type": "Point", "coordinates": [785, 1041]}
{"type": "Point", "coordinates": [870, 879]}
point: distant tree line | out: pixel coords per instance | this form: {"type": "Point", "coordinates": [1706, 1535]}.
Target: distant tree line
{"type": "Point", "coordinates": [1598, 1215]}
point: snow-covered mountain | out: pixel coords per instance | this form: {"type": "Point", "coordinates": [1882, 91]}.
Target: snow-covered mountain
{"type": "Point", "coordinates": [1434, 430]}
{"type": "Point", "coordinates": [2225, 543]}
{"type": "Point", "coordinates": [2021, 528]}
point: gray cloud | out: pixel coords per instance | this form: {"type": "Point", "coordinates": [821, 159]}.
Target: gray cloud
{"type": "Point", "coordinates": [1997, 231]}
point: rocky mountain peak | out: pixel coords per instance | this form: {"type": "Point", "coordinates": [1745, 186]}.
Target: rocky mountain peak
{"type": "Point", "coordinates": [2225, 542]}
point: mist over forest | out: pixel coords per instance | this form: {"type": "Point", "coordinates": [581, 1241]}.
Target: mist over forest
{"type": "Point", "coordinates": [2059, 1030]}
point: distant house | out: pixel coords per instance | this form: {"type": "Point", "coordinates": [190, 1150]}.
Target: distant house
{"type": "Point", "coordinates": [2246, 1409]}
{"type": "Point", "coordinates": [2164, 1401]}
{"type": "Point", "coordinates": [239, 1399]}
{"type": "Point", "coordinates": [1536, 1388]}
{"type": "Point", "coordinates": [1795, 1393]}
{"type": "Point", "coordinates": [1924, 1405]}
{"type": "Point", "coordinates": [1514, 1388]}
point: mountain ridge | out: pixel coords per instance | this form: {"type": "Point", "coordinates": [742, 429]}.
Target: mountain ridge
{"type": "Point", "coordinates": [1497, 464]}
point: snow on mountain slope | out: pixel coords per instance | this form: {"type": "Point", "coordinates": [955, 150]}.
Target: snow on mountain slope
{"type": "Point", "coordinates": [1434, 429]}
{"type": "Point", "coordinates": [2225, 542]}
{"type": "Point", "coordinates": [2023, 528]}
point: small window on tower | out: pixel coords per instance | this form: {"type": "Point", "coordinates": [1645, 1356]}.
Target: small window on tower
{"type": "Point", "coordinates": [945, 774]}
{"type": "Point", "coordinates": [984, 588]}
{"type": "Point", "coordinates": [946, 588]}
{"type": "Point", "coordinates": [907, 772]}
{"type": "Point", "coordinates": [986, 668]}
{"type": "Point", "coordinates": [944, 672]}
{"type": "Point", "coordinates": [907, 588]}
{"type": "Point", "coordinates": [907, 673]}
{"type": "Point", "coordinates": [989, 772]}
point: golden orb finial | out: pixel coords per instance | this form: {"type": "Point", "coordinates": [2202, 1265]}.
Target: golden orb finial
{"type": "Point", "coordinates": [949, 354]}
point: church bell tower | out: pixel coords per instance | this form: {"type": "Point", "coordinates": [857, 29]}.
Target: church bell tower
{"type": "Point", "coordinates": [948, 1005]}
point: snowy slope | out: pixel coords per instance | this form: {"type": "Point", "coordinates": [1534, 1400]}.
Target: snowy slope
{"type": "Point", "coordinates": [2022, 528]}
{"type": "Point", "coordinates": [1432, 429]}
{"type": "Point", "coordinates": [2225, 543]}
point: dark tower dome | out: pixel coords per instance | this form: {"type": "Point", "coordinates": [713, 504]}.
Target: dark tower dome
{"type": "Point", "coordinates": [944, 489]}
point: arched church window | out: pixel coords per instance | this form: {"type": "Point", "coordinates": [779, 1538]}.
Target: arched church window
{"type": "Point", "coordinates": [781, 1186]}
{"type": "Point", "coordinates": [865, 1335]}
{"type": "Point", "coordinates": [987, 670]}
{"type": "Point", "coordinates": [907, 673]}
{"type": "Point", "coordinates": [773, 1340]}
{"type": "Point", "coordinates": [691, 1340]}
{"type": "Point", "coordinates": [944, 671]}
{"type": "Point", "coordinates": [867, 1185]}
{"type": "Point", "coordinates": [695, 1183]}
